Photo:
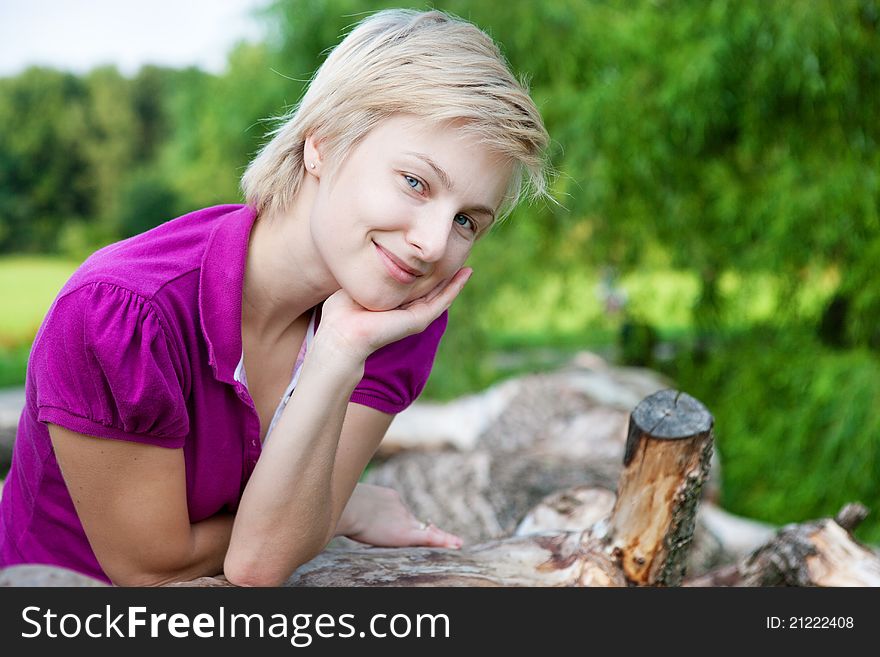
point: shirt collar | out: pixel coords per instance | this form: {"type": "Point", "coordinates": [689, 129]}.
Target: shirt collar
{"type": "Point", "coordinates": [220, 287]}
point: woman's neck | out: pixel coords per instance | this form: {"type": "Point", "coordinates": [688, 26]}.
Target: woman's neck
{"type": "Point", "coordinates": [284, 275]}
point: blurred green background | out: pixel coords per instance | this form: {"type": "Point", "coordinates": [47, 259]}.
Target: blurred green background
{"type": "Point", "coordinates": [718, 172]}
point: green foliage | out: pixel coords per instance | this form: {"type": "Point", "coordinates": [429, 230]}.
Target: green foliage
{"type": "Point", "coordinates": [146, 201]}
{"type": "Point", "coordinates": [13, 366]}
{"type": "Point", "coordinates": [218, 125]}
{"type": "Point", "coordinates": [71, 146]}
{"type": "Point", "coordinates": [796, 424]}
{"type": "Point", "coordinates": [41, 157]}
{"type": "Point", "coordinates": [109, 137]}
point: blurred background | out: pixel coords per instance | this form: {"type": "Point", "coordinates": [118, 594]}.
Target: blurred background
{"type": "Point", "coordinates": [718, 173]}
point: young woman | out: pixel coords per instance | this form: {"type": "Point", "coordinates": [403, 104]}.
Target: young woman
{"type": "Point", "coordinates": [153, 446]}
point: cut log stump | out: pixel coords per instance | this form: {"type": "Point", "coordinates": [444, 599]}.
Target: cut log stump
{"type": "Point", "coordinates": [667, 456]}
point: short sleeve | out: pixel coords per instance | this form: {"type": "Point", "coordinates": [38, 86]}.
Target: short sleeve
{"type": "Point", "coordinates": [397, 373]}
{"type": "Point", "coordinates": [103, 366]}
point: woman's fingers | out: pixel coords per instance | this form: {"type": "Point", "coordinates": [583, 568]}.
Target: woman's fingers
{"type": "Point", "coordinates": [446, 295]}
{"type": "Point", "coordinates": [428, 534]}
{"type": "Point", "coordinates": [361, 330]}
{"type": "Point", "coordinates": [446, 290]}
{"type": "Point", "coordinates": [428, 308]}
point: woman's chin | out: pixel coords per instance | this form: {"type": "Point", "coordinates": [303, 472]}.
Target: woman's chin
{"type": "Point", "coordinates": [380, 300]}
{"type": "Point", "coordinates": [378, 305]}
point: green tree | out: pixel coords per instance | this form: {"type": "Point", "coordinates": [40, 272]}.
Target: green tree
{"type": "Point", "coordinates": [110, 145]}
{"type": "Point", "coordinates": [44, 174]}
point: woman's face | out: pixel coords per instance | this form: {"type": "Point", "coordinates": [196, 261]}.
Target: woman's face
{"type": "Point", "coordinates": [401, 214]}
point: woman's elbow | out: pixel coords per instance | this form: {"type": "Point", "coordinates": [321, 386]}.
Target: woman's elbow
{"type": "Point", "coordinates": [239, 575]}
{"type": "Point", "coordinates": [249, 563]}
{"type": "Point", "coordinates": [140, 578]}
{"type": "Point", "coordinates": [252, 572]}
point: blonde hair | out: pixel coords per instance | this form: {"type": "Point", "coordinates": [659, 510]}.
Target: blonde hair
{"type": "Point", "coordinates": [428, 64]}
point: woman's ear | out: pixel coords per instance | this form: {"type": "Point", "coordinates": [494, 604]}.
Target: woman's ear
{"type": "Point", "coordinates": [312, 155]}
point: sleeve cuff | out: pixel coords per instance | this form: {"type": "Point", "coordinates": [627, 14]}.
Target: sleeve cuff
{"type": "Point", "coordinates": [88, 427]}
{"type": "Point", "coordinates": [379, 403]}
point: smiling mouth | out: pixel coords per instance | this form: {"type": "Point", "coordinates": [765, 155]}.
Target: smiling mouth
{"type": "Point", "coordinates": [397, 269]}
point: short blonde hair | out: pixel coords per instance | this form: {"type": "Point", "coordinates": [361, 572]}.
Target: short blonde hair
{"type": "Point", "coordinates": [428, 64]}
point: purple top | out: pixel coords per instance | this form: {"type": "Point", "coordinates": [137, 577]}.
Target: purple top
{"type": "Point", "coordinates": [141, 344]}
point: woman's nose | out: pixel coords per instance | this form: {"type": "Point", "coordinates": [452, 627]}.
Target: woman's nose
{"type": "Point", "coordinates": [429, 234]}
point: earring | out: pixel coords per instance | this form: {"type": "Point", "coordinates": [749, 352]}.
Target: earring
{"type": "Point", "coordinates": [312, 165]}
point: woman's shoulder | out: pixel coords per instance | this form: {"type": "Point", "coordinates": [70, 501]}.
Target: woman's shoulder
{"type": "Point", "coordinates": [104, 364]}
{"type": "Point", "coordinates": [146, 263]}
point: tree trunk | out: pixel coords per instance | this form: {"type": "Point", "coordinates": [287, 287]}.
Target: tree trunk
{"type": "Point", "coordinates": [668, 450]}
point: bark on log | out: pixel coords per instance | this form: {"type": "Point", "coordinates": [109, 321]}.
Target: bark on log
{"type": "Point", "coordinates": [554, 559]}
{"type": "Point", "coordinates": [40, 575]}
{"type": "Point", "coordinates": [568, 510]}
{"type": "Point", "coordinates": [720, 538]}
{"type": "Point", "coordinates": [559, 559]}
{"type": "Point", "coordinates": [819, 553]}
{"type": "Point", "coordinates": [668, 450]}
{"type": "Point", "coordinates": [550, 559]}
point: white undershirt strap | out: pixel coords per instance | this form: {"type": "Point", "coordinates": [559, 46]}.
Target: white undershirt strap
{"type": "Point", "coordinates": [241, 376]}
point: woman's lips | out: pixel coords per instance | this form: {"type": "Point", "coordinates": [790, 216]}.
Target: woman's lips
{"type": "Point", "coordinates": [396, 269]}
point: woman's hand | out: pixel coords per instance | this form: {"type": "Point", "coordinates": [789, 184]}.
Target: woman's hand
{"type": "Point", "coordinates": [359, 332]}
{"type": "Point", "coordinates": [377, 516]}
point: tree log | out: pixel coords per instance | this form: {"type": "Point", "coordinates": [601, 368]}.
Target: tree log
{"type": "Point", "coordinates": [819, 553]}
{"type": "Point", "coordinates": [41, 575]}
{"type": "Point", "coordinates": [587, 381]}
{"type": "Point", "coordinates": [568, 510]}
{"type": "Point", "coordinates": [550, 559]}
{"type": "Point", "coordinates": [667, 456]}
{"type": "Point", "coordinates": [557, 431]}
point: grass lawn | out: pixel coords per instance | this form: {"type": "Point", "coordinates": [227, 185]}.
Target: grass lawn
{"type": "Point", "coordinates": [28, 284]}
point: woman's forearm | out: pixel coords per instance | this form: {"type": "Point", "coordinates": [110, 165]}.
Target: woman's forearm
{"type": "Point", "coordinates": [287, 513]}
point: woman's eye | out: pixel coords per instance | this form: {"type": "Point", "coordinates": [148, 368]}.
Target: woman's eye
{"type": "Point", "coordinates": [415, 183]}
{"type": "Point", "coordinates": [466, 221]}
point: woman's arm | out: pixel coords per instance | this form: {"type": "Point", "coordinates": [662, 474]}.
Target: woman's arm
{"type": "Point", "coordinates": [286, 515]}
{"type": "Point", "coordinates": [131, 500]}
{"type": "Point", "coordinates": [293, 501]}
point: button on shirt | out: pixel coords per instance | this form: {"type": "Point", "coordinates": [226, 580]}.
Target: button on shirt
{"type": "Point", "coordinates": [143, 344]}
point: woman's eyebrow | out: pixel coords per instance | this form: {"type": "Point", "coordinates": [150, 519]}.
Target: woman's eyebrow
{"type": "Point", "coordinates": [482, 209]}
{"type": "Point", "coordinates": [447, 183]}
{"type": "Point", "coordinates": [444, 178]}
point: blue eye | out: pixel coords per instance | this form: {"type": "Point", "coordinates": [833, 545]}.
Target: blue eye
{"type": "Point", "coordinates": [464, 220]}
{"type": "Point", "coordinates": [412, 182]}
